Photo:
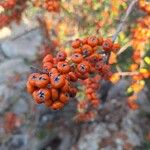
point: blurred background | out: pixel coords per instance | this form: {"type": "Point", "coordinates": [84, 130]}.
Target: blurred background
{"type": "Point", "coordinates": [31, 32]}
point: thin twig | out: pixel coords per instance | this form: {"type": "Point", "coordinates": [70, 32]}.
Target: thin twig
{"type": "Point", "coordinates": [24, 33]}
{"type": "Point", "coordinates": [119, 29]}
{"type": "Point", "coordinates": [127, 73]}
{"type": "Point", "coordinates": [3, 53]}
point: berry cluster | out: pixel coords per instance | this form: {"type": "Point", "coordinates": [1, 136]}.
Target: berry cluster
{"type": "Point", "coordinates": [8, 4]}
{"type": "Point", "coordinates": [91, 100]}
{"type": "Point", "coordinates": [57, 82]}
{"type": "Point", "coordinates": [54, 86]}
{"type": "Point", "coordinates": [91, 87]}
{"type": "Point", "coordinates": [52, 5]}
{"type": "Point", "coordinates": [140, 38]}
{"type": "Point", "coordinates": [145, 6]}
{"type": "Point", "coordinates": [12, 11]}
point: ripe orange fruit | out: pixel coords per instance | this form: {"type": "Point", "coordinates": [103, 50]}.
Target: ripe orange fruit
{"type": "Point", "coordinates": [61, 55]}
{"type": "Point", "coordinates": [76, 58]}
{"type": "Point", "coordinates": [57, 105]}
{"type": "Point", "coordinates": [47, 66]}
{"type": "Point", "coordinates": [87, 50]}
{"type": "Point", "coordinates": [30, 88]}
{"type": "Point", "coordinates": [83, 67]}
{"type": "Point", "coordinates": [41, 95]}
{"type": "Point", "coordinates": [107, 45]}
{"type": "Point", "coordinates": [92, 41]}
{"type": "Point", "coordinates": [32, 78]}
{"type": "Point", "coordinates": [55, 94]}
{"type": "Point", "coordinates": [63, 67]}
{"type": "Point", "coordinates": [57, 81]}
{"type": "Point", "coordinates": [76, 43]}
{"type": "Point", "coordinates": [42, 81]}
{"type": "Point", "coordinates": [64, 98]}
{"type": "Point", "coordinates": [48, 58]}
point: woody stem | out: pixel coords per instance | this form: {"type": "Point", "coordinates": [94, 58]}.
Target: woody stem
{"type": "Point", "coordinates": [120, 26]}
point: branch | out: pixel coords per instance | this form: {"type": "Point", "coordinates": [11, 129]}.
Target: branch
{"type": "Point", "coordinates": [24, 33]}
{"type": "Point", "coordinates": [120, 26]}
{"type": "Point", "coordinates": [127, 73]}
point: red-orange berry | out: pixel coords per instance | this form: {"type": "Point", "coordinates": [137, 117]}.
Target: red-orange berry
{"type": "Point", "coordinates": [107, 45]}
{"type": "Point", "coordinates": [83, 67]}
{"type": "Point", "coordinates": [66, 87]}
{"type": "Point", "coordinates": [76, 43]}
{"type": "Point", "coordinates": [61, 55]}
{"type": "Point", "coordinates": [115, 47]}
{"type": "Point", "coordinates": [64, 98]}
{"type": "Point", "coordinates": [72, 77]}
{"type": "Point", "coordinates": [47, 66]}
{"type": "Point", "coordinates": [30, 88]}
{"type": "Point", "coordinates": [87, 50]}
{"type": "Point", "coordinates": [92, 41]}
{"type": "Point", "coordinates": [53, 71]}
{"type": "Point", "coordinates": [63, 67]}
{"type": "Point", "coordinates": [32, 78]}
{"type": "Point", "coordinates": [55, 94]}
{"type": "Point", "coordinates": [48, 58]}
{"type": "Point", "coordinates": [57, 105]}
{"type": "Point", "coordinates": [42, 81]}
{"type": "Point", "coordinates": [78, 50]}
{"type": "Point", "coordinates": [41, 95]}
{"type": "Point", "coordinates": [57, 81]}
{"type": "Point", "coordinates": [76, 58]}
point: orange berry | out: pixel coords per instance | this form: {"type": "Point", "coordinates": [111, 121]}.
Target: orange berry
{"type": "Point", "coordinates": [76, 58]}
{"type": "Point", "coordinates": [66, 87]}
{"type": "Point", "coordinates": [55, 94]}
{"type": "Point", "coordinates": [42, 81]}
{"type": "Point", "coordinates": [89, 91]}
{"type": "Point", "coordinates": [115, 47]}
{"type": "Point", "coordinates": [61, 55]}
{"type": "Point", "coordinates": [32, 78]}
{"type": "Point", "coordinates": [94, 58]}
{"type": "Point", "coordinates": [41, 95]}
{"type": "Point", "coordinates": [48, 58]}
{"type": "Point", "coordinates": [76, 43]}
{"type": "Point", "coordinates": [133, 105]}
{"type": "Point", "coordinates": [78, 50]}
{"type": "Point", "coordinates": [92, 41]}
{"type": "Point", "coordinates": [30, 88]}
{"type": "Point", "coordinates": [57, 81]}
{"type": "Point", "coordinates": [53, 71]}
{"type": "Point", "coordinates": [63, 67]}
{"type": "Point", "coordinates": [47, 66]}
{"type": "Point", "coordinates": [57, 105]}
{"type": "Point", "coordinates": [107, 45]}
{"type": "Point", "coordinates": [89, 96]}
{"type": "Point", "coordinates": [72, 77]}
{"type": "Point", "coordinates": [95, 103]}
{"type": "Point", "coordinates": [87, 50]}
{"type": "Point", "coordinates": [84, 41]}
{"type": "Point", "coordinates": [83, 67]}
{"type": "Point", "coordinates": [64, 98]}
